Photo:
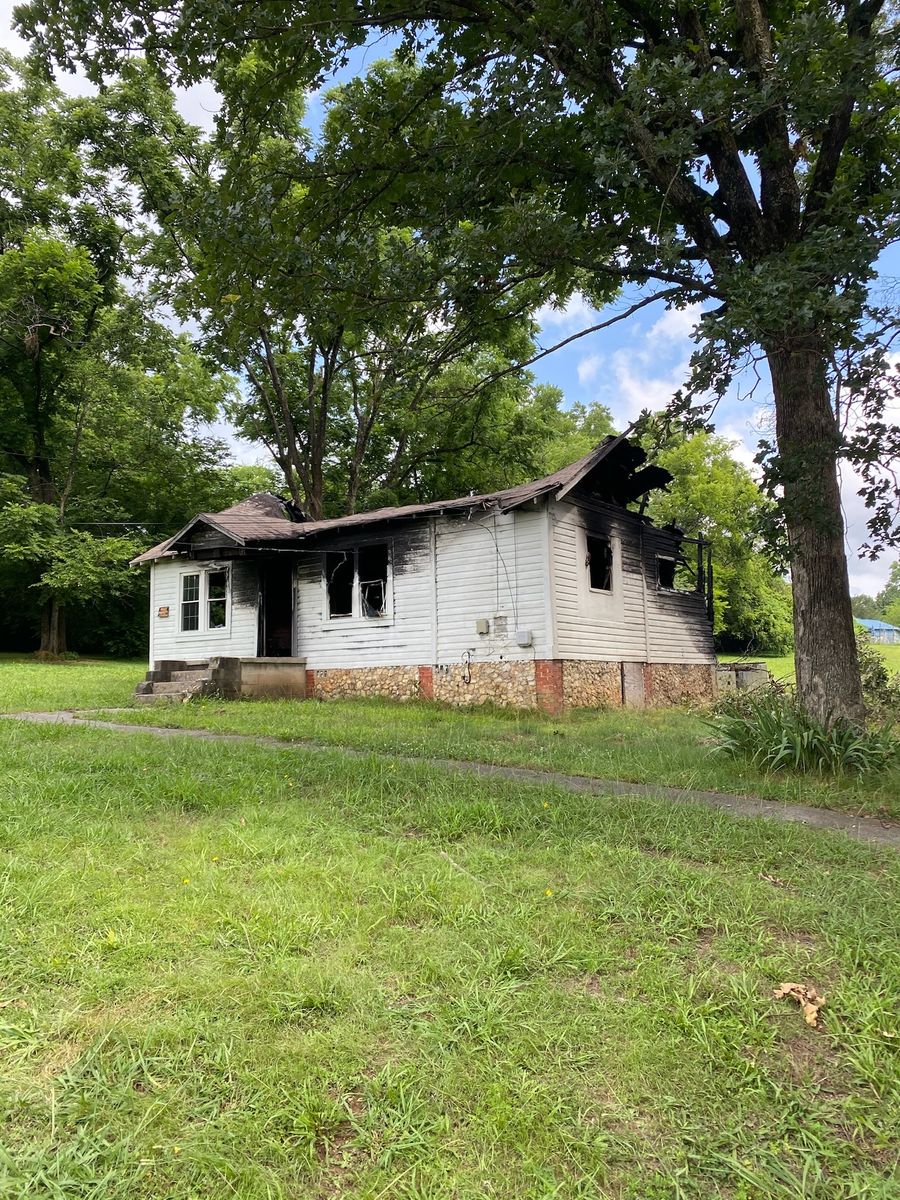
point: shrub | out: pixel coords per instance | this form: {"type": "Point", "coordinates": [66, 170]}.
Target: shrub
{"type": "Point", "coordinates": [769, 727]}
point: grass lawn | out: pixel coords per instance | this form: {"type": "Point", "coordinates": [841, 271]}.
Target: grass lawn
{"type": "Point", "coordinates": [237, 971]}
{"type": "Point", "coordinates": [782, 666]}
{"type": "Point", "coordinates": [671, 747]}
{"type": "Point", "coordinates": [27, 684]}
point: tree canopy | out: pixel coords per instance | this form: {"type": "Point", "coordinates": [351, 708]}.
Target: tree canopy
{"type": "Point", "coordinates": [101, 406]}
{"type": "Point", "coordinates": [740, 155]}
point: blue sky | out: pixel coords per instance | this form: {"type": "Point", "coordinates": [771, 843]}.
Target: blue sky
{"type": "Point", "coordinates": [638, 363]}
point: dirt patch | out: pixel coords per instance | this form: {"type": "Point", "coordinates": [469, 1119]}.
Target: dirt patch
{"type": "Point", "coordinates": [582, 985]}
{"type": "Point", "coordinates": [340, 1159]}
{"type": "Point", "coordinates": [705, 939]}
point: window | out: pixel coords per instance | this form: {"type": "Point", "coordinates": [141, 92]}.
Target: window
{"type": "Point", "coordinates": [190, 602]}
{"type": "Point", "coordinates": [204, 601]}
{"type": "Point", "coordinates": [599, 563]}
{"type": "Point", "coordinates": [356, 582]}
{"type": "Point", "coordinates": [339, 583]}
{"type": "Point", "coordinates": [674, 575]}
{"type": "Point", "coordinates": [665, 573]}
{"type": "Point", "coordinates": [216, 599]}
{"type": "Point", "coordinates": [372, 565]}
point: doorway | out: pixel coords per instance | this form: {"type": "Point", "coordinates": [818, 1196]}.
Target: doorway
{"type": "Point", "coordinates": [276, 609]}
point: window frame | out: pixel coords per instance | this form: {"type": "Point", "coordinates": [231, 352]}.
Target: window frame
{"type": "Point", "coordinates": [204, 600]}
{"type": "Point", "coordinates": [600, 537]}
{"type": "Point", "coordinates": [674, 590]}
{"type": "Point", "coordinates": [356, 618]}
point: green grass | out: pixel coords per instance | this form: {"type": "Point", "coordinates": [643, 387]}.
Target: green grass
{"type": "Point", "coordinates": [238, 971]}
{"type": "Point", "coordinates": [671, 747]}
{"type": "Point", "coordinates": [26, 684]}
{"type": "Point", "coordinates": [782, 666]}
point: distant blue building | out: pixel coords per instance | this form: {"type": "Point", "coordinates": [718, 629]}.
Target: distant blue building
{"type": "Point", "coordinates": [880, 631]}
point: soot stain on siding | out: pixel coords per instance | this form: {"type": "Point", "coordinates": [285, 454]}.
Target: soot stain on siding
{"type": "Point", "coordinates": [408, 546]}
{"type": "Point", "coordinates": [244, 584]}
{"type": "Point", "coordinates": [599, 525]}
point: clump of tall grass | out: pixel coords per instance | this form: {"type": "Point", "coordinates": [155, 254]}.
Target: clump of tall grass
{"type": "Point", "coordinates": [769, 727]}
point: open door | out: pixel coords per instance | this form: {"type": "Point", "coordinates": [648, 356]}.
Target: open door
{"type": "Point", "coordinates": [276, 609]}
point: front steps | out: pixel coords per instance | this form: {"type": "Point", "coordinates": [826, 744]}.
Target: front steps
{"type": "Point", "coordinates": [174, 682]}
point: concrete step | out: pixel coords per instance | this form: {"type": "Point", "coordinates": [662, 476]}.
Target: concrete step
{"type": "Point", "coordinates": [192, 676]}
{"type": "Point", "coordinates": [154, 698]}
{"type": "Point", "coordinates": [175, 688]}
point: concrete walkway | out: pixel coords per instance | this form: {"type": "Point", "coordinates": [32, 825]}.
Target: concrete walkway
{"type": "Point", "coordinates": [865, 829]}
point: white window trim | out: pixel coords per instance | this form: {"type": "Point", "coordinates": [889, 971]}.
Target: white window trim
{"type": "Point", "coordinates": [203, 626]}
{"type": "Point", "coordinates": [600, 604]}
{"type": "Point", "coordinates": [356, 620]}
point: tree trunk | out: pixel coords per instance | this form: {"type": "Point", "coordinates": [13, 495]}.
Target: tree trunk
{"type": "Point", "coordinates": [53, 628]}
{"type": "Point", "coordinates": [828, 679]}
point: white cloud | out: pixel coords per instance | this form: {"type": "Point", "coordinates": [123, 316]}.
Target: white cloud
{"type": "Point", "coordinates": [574, 313]}
{"type": "Point", "coordinates": [675, 324]}
{"type": "Point", "coordinates": [743, 449]}
{"type": "Point", "coordinates": [633, 391]}
{"type": "Point", "coordinates": [589, 367]}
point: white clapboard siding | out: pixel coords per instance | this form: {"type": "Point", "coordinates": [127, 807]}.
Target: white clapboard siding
{"type": "Point", "coordinates": [493, 568]}
{"type": "Point", "coordinates": [404, 638]}
{"type": "Point", "coordinates": [678, 628]}
{"type": "Point", "coordinates": [634, 622]}
{"type": "Point", "coordinates": [167, 639]}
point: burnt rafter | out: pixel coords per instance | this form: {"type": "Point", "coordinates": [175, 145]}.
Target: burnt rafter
{"type": "Point", "coordinates": [621, 477]}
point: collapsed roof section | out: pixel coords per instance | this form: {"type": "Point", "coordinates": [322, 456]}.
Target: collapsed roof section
{"type": "Point", "coordinates": [613, 472]}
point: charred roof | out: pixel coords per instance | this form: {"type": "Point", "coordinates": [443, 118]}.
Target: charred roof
{"type": "Point", "coordinates": [613, 471]}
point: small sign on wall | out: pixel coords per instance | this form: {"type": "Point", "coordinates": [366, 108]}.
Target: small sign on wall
{"type": "Point", "coordinates": [163, 612]}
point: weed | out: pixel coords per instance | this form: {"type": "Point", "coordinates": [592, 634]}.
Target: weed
{"type": "Point", "coordinates": [769, 727]}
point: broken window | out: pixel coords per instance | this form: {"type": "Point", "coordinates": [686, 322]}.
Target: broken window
{"type": "Point", "coordinates": [356, 581]}
{"type": "Point", "coordinates": [675, 575]}
{"type": "Point", "coordinates": [339, 571]}
{"type": "Point", "coordinates": [217, 599]}
{"type": "Point", "coordinates": [665, 573]}
{"type": "Point", "coordinates": [190, 602]}
{"type": "Point", "coordinates": [372, 565]}
{"type": "Point", "coordinates": [599, 563]}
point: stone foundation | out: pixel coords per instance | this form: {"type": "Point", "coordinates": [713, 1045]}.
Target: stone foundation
{"type": "Point", "coordinates": [509, 684]}
{"type": "Point", "coordinates": [681, 683]}
{"type": "Point", "coordinates": [342, 683]}
{"type": "Point", "coordinates": [592, 684]}
{"type": "Point", "coordinates": [549, 684]}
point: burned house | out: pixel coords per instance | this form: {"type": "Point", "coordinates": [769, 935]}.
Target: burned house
{"type": "Point", "coordinates": [552, 594]}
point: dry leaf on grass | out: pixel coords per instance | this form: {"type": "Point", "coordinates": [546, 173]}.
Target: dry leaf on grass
{"type": "Point", "coordinates": [807, 997]}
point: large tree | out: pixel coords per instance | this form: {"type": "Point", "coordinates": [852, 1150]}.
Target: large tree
{"type": "Point", "coordinates": [99, 402]}
{"type": "Point", "coordinates": [742, 155]}
{"type": "Point", "coordinates": [369, 358]}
